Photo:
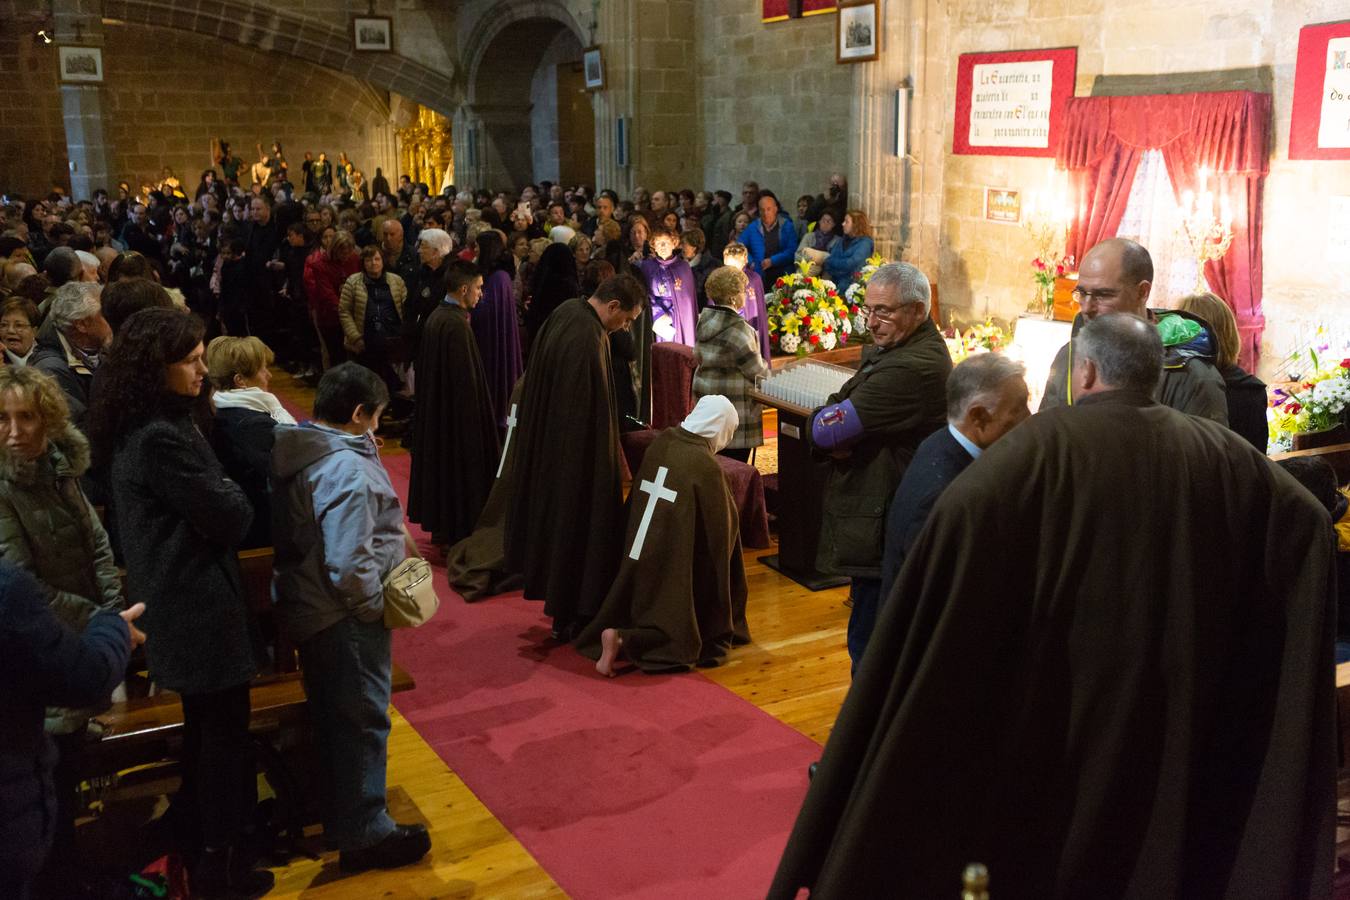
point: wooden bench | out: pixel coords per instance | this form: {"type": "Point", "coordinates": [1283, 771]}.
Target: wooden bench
{"type": "Point", "coordinates": [141, 730]}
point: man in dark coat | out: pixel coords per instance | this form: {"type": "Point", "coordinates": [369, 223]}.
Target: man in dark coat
{"type": "Point", "coordinates": [454, 448]}
{"type": "Point", "coordinates": [1117, 276]}
{"type": "Point", "coordinates": [679, 598]}
{"type": "Point", "coordinates": [44, 663]}
{"type": "Point", "coordinates": [986, 398]}
{"type": "Point", "coordinates": [564, 523]}
{"type": "Point", "coordinates": [476, 566]}
{"type": "Point", "coordinates": [871, 429]}
{"type": "Point", "coordinates": [1105, 670]}
{"type": "Point", "coordinates": [261, 238]}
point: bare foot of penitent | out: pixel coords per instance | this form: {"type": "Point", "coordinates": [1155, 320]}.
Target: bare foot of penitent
{"type": "Point", "coordinates": [610, 645]}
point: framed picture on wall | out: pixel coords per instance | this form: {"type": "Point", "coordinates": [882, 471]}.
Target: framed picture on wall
{"type": "Point", "coordinates": [593, 68]}
{"type": "Point", "coordinates": [373, 34]}
{"type": "Point", "coordinates": [81, 63]}
{"type": "Point", "coordinates": [857, 34]}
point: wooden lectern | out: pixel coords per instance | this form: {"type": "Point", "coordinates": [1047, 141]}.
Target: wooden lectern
{"type": "Point", "coordinates": [801, 488]}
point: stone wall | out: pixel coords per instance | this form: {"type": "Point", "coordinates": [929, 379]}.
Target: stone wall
{"type": "Point", "coordinates": [167, 93]}
{"type": "Point", "coordinates": [773, 103]}
{"type": "Point", "coordinates": [983, 265]}
{"type": "Point", "coordinates": [32, 138]}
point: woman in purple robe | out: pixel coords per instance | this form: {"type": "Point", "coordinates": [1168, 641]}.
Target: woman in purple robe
{"type": "Point", "coordinates": [494, 323]}
{"type": "Point", "coordinates": [755, 311]}
{"type": "Point", "coordinates": [671, 289]}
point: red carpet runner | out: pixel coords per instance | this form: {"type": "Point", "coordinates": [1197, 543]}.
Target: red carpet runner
{"type": "Point", "coordinates": [643, 786]}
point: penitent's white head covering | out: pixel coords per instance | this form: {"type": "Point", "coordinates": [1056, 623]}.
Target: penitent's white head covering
{"type": "Point", "coordinates": [561, 234]}
{"type": "Point", "coordinates": [714, 417]}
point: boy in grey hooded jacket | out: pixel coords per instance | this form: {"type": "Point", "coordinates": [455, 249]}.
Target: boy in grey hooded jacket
{"type": "Point", "coordinates": [338, 531]}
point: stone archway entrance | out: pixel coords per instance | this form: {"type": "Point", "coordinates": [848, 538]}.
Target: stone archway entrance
{"type": "Point", "coordinates": [528, 116]}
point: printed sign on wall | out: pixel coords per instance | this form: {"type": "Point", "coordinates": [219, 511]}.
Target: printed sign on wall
{"type": "Point", "coordinates": [1320, 125]}
{"type": "Point", "coordinates": [1012, 104]}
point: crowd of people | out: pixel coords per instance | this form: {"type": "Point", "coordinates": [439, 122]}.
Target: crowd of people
{"type": "Point", "coordinates": [508, 337]}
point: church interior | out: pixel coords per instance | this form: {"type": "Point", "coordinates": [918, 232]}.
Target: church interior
{"type": "Point", "coordinates": [991, 149]}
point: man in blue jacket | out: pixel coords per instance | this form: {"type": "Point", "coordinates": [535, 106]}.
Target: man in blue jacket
{"type": "Point", "coordinates": [43, 663]}
{"type": "Point", "coordinates": [770, 241]}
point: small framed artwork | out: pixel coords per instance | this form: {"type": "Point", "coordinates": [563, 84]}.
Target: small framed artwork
{"type": "Point", "coordinates": [593, 68]}
{"type": "Point", "coordinates": [81, 63]}
{"type": "Point", "coordinates": [857, 33]}
{"type": "Point", "coordinates": [373, 34]}
{"type": "Point", "coordinates": [1002, 205]}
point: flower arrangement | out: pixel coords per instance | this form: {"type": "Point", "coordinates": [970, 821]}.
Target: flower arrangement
{"type": "Point", "coordinates": [807, 315]}
{"type": "Point", "coordinates": [1314, 398]}
{"type": "Point", "coordinates": [982, 338]}
{"type": "Point", "coordinates": [1045, 268]}
{"type": "Point", "coordinates": [858, 290]}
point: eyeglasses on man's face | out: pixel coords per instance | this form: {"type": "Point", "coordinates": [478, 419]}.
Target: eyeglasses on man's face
{"type": "Point", "coordinates": [1107, 295]}
{"type": "Point", "coordinates": [881, 313]}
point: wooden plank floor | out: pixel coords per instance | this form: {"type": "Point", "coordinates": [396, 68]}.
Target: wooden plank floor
{"type": "Point", "coordinates": [797, 670]}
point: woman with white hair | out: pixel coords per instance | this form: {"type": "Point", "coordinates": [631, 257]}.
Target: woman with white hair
{"type": "Point", "coordinates": [679, 598]}
{"type": "Point", "coordinates": [70, 341]}
{"type": "Point", "coordinates": [433, 247]}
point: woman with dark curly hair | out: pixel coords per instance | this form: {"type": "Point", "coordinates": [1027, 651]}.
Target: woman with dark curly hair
{"type": "Point", "coordinates": [181, 519]}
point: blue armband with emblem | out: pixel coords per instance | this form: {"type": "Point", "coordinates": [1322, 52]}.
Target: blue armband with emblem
{"type": "Point", "coordinates": [836, 427]}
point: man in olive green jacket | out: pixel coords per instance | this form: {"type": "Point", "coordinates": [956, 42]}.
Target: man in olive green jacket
{"type": "Point", "coordinates": [871, 428]}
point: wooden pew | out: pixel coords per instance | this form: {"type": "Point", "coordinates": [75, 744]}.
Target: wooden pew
{"type": "Point", "coordinates": [141, 730]}
{"type": "Point", "coordinates": [1338, 455]}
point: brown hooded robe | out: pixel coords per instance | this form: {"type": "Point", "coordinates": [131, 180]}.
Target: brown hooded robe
{"type": "Point", "coordinates": [1105, 671]}
{"type": "Point", "coordinates": [682, 602]}
{"type": "Point", "coordinates": [454, 448]}
{"type": "Point", "coordinates": [564, 522]}
{"type": "Point", "coordinates": [476, 566]}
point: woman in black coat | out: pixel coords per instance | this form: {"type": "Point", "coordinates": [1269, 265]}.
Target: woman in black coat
{"type": "Point", "coordinates": [181, 520]}
{"type": "Point", "coordinates": [246, 413]}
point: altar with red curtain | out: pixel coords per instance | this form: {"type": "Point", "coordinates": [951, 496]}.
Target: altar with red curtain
{"type": "Point", "coordinates": [1224, 133]}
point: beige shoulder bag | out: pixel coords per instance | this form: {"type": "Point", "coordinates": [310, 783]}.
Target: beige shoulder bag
{"type": "Point", "coordinates": [409, 595]}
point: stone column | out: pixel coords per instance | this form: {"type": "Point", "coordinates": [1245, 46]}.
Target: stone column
{"type": "Point", "coordinates": [80, 23]}
{"type": "Point", "coordinates": [902, 197]}
{"type": "Point", "coordinates": [614, 35]}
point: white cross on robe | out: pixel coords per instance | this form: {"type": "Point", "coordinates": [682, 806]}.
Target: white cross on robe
{"type": "Point", "coordinates": [506, 445]}
{"type": "Point", "coordinates": [656, 491]}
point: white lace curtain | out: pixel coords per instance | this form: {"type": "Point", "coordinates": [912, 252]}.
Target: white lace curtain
{"type": "Point", "coordinates": [1153, 218]}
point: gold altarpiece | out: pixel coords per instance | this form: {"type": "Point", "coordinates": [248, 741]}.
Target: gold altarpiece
{"type": "Point", "coordinates": [426, 153]}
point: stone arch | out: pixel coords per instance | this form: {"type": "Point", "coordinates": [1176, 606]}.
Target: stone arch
{"type": "Point", "coordinates": [261, 27]}
{"type": "Point", "coordinates": [489, 27]}
{"type": "Point", "coordinates": [523, 119]}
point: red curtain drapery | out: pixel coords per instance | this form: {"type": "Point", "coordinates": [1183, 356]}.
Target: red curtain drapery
{"type": "Point", "coordinates": [1226, 132]}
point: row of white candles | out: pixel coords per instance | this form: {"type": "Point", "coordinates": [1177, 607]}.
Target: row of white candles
{"type": "Point", "coordinates": [807, 385]}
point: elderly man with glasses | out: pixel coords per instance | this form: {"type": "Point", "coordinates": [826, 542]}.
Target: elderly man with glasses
{"type": "Point", "coordinates": [871, 428]}
{"type": "Point", "coordinates": [1117, 277]}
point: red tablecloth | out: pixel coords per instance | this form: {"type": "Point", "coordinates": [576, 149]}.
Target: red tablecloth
{"type": "Point", "coordinates": [747, 487]}
{"type": "Point", "coordinates": [672, 384]}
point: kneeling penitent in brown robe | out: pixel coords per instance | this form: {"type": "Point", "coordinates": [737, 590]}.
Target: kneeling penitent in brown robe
{"type": "Point", "coordinates": [679, 598]}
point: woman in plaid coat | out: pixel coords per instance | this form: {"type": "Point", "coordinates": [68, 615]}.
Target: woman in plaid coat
{"type": "Point", "coordinates": [726, 350]}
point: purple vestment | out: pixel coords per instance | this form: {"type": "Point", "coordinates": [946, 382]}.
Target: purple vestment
{"type": "Point", "coordinates": [756, 312]}
{"type": "Point", "coordinates": [673, 295]}
{"type": "Point", "coordinates": [494, 327]}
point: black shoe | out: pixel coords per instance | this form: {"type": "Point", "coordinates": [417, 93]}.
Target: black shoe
{"type": "Point", "coordinates": [403, 846]}
{"type": "Point", "coordinates": [811, 770]}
